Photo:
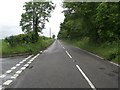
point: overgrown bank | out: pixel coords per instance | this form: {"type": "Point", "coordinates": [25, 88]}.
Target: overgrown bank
{"type": "Point", "coordinates": [94, 26]}
{"type": "Point", "coordinates": [22, 48]}
{"type": "Point", "coordinates": [105, 50]}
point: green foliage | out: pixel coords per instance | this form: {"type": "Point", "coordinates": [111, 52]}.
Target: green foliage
{"type": "Point", "coordinates": [21, 48]}
{"type": "Point", "coordinates": [53, 36]}
{"type": "Point", "coordinates": [108, 51]}
{"type": "Point", "coordinates": [98, 21]}
{"type": "Point", "coordinates": [35, 16]}
{"type": "Point", "coordinates": [22, 38]}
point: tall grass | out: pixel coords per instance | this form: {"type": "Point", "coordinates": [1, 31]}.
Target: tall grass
{"type": "Point", "coordinates": [31, 48]}
{"type": "Point", "coordinates": [105, 50]}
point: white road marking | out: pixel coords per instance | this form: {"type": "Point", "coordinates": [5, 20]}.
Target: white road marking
{"type": "Point", "coordinates": [21, 62]}
{"type": "Point", "coordinates": [14, 76]}
{"type": "Point", "coordinates": [27, 58]}
{"type": "Point", "coordinates": [68, 54]}
{"type": "Point", "coordinates": [26, 65]}
{"type": "Point", "coordinates": [89, 53]}
{"type": "Point", "coordinates": [115, 64]}
{"type": "Point", "coordinates": [0, 87]}
{"type": "Point", "coordinates": [35, 56]}
{"type": "Point", "coordinates": [7, 82]}
{"type": "Point", "coordinates": [60, 44]}
{"type": "Point", "coordinates": [63, 48]}
{"type": "Point", "coordinates": [40, 51]}
{"type": "Point", "coordinates": [17, 65]}
{"type": "Point", "coordinates": [19, 71]}
{"type": "Point", "coordinates": [23, 68]}
{"type": "Point", "coordinates": [13, 68]}
{"type": "Point", "coordinates": [87, 79]}
{"type": "Point", "coordinates": [97, 56]}
{"type": "Point", "coordinates": [29, 62]}
{"type": "Point", "coordinates": [8, 71]}
{"type": "Point", "coordinates": [2, 76]}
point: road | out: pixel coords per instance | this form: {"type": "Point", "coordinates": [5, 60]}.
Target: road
{"type": "Point", "coordinates": [65, 66]}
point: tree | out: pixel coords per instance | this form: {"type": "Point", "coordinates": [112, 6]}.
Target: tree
{"type": "Point", "coordinates": [35, 16]}
{"type": "Point", "coordinates": [53, 36]}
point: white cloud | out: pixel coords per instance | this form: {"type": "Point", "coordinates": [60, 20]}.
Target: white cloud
{"type": "Point", "coordinates": [10, 16]}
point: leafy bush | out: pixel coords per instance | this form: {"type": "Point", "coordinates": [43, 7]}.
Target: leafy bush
{"type": "Point", "coordinates": [21, 39]}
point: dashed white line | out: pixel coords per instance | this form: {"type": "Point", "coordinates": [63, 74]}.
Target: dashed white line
{"type": "Point", "coordinates": [23, 68]}
{"type": "Point", "coordinates": [14, 76]}
{"type": "Point", "coordinates": [36, 56]}
{"type": "Point", "coordinates": [0, 87]}
{"type": "Point", "coordinates": [68, 54]}
{"type": "Point", "coordinates": [87, 79]}
{"type": "Point", "coordinates": [17, 65]}
{"type": "Point", "coordinates": [2, 76]}
{"type": "Point", "coordinates": [63, 48]}
{"type": "Point", "coordinates": [19, 71]}
{"type": "Point", "coordinates": [29, 62]}
{"type": "Point", "coordinates": [8, 71]}
{"type": "Point", "coordinates": [7, 82]}
{"type": "Point", "coordinates": [26, 65]}
{"type": "Point", "coordinates": [21, 62]}
{"type": "Point", "coordinates": [13, 68]}
{"type": "Point", "coordinates": [115, 64]}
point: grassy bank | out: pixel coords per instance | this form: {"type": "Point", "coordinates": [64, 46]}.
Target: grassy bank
{"type": "Point", "coordinates": [105, 50]}
{"type": "Point", "coordinates": [31, 48]}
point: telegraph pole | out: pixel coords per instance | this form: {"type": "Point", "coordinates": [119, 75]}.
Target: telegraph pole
{"type": "Point", "coordinates": [50, 32]}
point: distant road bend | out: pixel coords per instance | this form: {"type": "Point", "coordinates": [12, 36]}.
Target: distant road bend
{"type": "Point", "coordinates": [65, 66]}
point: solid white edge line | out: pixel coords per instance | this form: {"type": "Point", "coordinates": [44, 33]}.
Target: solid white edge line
{"type": "Point", "coordinates": [115, 64]}
{"type": "Point", "coordinates": [7, 82]}
{"type": "Point", "coordinates": [89, 53]}
{"type": "Point", "coordinates": [98, 56]}
{"type": "Point", "coordinates": [68, 54]}
{"type": "Point", "coordinates": [87, 79]}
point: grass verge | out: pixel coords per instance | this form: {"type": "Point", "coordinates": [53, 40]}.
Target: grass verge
{"type": "Point", "coordinates": [31, 48]}
{"type": "Point", "coordinates": [105, 50]}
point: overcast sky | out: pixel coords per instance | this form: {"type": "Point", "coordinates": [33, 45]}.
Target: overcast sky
{"type": "Point", "coordinates": [10, 16]}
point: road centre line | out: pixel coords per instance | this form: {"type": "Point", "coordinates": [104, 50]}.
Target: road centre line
{"type": "Point", "coordinates": [87, 79]}
{"type": "Point", "coordinates": [68, 54]}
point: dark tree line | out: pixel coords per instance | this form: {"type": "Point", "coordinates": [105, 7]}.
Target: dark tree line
{"type": "Point", "coordinates": [98, 21]}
